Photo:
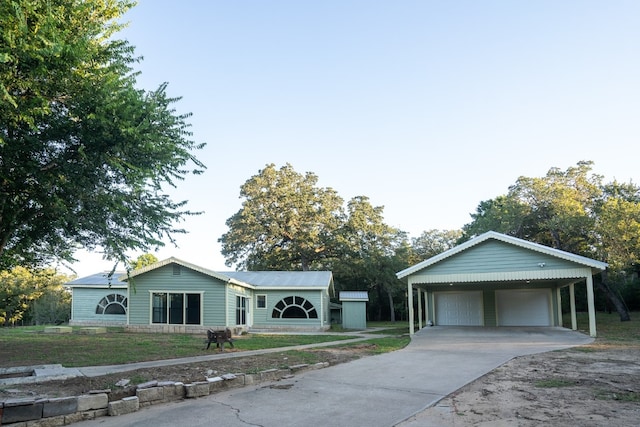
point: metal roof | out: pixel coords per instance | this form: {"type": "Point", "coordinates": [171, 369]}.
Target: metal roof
{"type": "Point", "coordinates": [249, 279]}
{"type": "Point", "coordinates": [100, 280]}
{"type": "Point", "coordinates": [173, 260]}
{"type": "Point", "coordinates": [587, 262]}
{"type": "Point", "coordinates": [354, 296]}
{"type": "Point", "coordinates": [283, 279]}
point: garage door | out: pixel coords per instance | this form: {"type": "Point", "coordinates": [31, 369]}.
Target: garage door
{"type": "Point", "coordinates": [524, 307]}
{"type": "Point", "coordinates": [458, 308]}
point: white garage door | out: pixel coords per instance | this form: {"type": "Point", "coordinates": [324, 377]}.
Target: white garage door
{"type": "Point", "coordinates": [458, 308]}
{"type": "Point", "coordinates": [524, 307]}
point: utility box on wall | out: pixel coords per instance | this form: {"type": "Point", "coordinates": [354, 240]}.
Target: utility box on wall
{"type": "Point", "coordinates": [354, 309]}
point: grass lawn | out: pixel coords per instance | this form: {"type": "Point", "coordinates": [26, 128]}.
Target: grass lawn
{"type": "Point", "coordinates": [610, 330]}
{"type": "Point", "coordinates": [24, 346]}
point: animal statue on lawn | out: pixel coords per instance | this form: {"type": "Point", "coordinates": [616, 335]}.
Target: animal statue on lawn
{"type": "Point", "coordinates": [220, 337]}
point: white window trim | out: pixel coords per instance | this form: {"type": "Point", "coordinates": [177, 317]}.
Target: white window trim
{"type": "Point", "coordinates": [265, 301]}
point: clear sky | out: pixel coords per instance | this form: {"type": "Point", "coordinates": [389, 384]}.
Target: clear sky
{"type": "Point", "coordinates": [426, 107]}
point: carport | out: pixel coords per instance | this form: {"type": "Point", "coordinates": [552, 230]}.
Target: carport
{"type": "Point", "coordinates": [499, 280]}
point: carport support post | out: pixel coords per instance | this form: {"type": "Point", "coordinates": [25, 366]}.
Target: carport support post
{"type": "Point", "coordinates": [572, 301]}
{"type": "Point", "coordinates": [559, 301]}
{"type": "Point", "coordinates": [419, 308]}
{"type": "Point", "coordinates": [410, 304]}
{"type": "Point", "coordinates": [591, 305]}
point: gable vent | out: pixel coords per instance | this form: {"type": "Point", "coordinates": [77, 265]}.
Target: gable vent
{"type": "Point", "coordinates": [177, 269]}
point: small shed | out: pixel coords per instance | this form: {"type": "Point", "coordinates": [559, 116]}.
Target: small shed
{"type": "Point", "coordinates": [354, 309]}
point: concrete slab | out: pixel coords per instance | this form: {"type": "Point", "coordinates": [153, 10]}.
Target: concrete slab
{"type": "Point", "coordinates": [38, 373]}
{"type": "Point", "coordinates": [381, 390]}
{"type": "Point", "coordinates": [58, 329]}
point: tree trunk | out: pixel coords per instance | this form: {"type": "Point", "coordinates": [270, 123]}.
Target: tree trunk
{"type": "Point", "coordinates": [391, 309]}
{"type": "Point", "coordinates": [614, 298]}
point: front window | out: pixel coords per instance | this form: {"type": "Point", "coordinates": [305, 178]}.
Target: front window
{"type": "Point", "coordinates": [176, 308]}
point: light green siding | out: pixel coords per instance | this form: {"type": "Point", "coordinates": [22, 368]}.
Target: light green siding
{"type": "Point", "coordinates": [495, 256]}
{"type": "Point", "coordinates": [234, 291]}
{"type": "Point", "coordinates": [190, 281]}
{"type": "Point", "coordinates": [263, 317]}
{"type": "Point", "coordinates": [354, 314]}
{"type": "Point", "coordinates": [85, 302]}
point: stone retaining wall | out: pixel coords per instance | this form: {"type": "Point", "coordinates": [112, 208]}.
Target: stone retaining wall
{"type": "Point", "coordinates": [46, 412]}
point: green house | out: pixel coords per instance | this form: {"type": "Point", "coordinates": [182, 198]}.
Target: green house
{"type": "Point", "coordinates": [498, 280]}
{"type": "Point", "coordinates": [99, 300]}
{"type": "Point", "coordinates": [177, 296]}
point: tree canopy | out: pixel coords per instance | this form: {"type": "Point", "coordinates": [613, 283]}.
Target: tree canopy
{"type": "Point", "coordinates": [84, 154]}
{"type": "Point", "coordinates": [286, 222]}
{"type": "Point", "coordinates": [573, 211]}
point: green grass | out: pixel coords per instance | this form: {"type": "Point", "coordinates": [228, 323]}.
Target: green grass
{"type": "Point", "coordinates": [611, 332]}
{"type": "Point", "coordinates": [623, 396]}
{"type": "Point", "coordinates": [23, 346]}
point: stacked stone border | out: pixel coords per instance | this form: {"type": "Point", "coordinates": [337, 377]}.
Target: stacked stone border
{"type": "Point", "coordinates": [50, 412]}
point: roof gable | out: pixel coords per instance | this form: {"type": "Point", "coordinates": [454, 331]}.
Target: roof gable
{"type": "Point", "coordinates": [548, 253]}
{"type": "Point", "coordinates": [172, 260]}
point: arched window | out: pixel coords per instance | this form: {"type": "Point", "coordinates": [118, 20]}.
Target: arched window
{"type": "Point", "coordinates": [112, 304]}
{"type": "Point", "coordinates": [294, 307]}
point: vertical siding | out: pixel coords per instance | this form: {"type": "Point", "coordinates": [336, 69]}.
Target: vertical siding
{"type": "Point", "coordinates": [85, 301]}
{"type": "Point", "coordinates": [354, 314]}
{"type": "Point", "coordinates": [555, 315]}
{"type": "Point", "coordinates": [489, 302]}
{"type": "Point", "coordinates": [163, 279]}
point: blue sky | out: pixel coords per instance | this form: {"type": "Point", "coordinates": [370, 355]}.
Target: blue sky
{"type": "Point", "coordinates": [425, 107]}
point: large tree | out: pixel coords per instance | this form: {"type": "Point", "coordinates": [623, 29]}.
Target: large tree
{"type": "Point", "coordinates": [84, 154]}
{"type": "Point", "coordinates": [573, 211]}
{"type": "Point", "coordinates": [371, 253]}
{"type": "Point", "coordinates": [433, 242]}
{"type": "Point", "coordinates": [286, 222]}
{"type": "Point", "coordinates": [20, 291]}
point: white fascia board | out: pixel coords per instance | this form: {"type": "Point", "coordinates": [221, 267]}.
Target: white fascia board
{"type": "Point", "coordinates": [596, 265]}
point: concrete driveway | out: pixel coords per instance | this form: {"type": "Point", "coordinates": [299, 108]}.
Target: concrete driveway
{"type": "Point", "coordinates": [381, 390]}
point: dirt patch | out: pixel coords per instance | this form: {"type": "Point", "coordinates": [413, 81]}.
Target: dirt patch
{"type": "Point", "coordinates": [587, 386]}
{"type": "Point", "coordinates": [186, 373]}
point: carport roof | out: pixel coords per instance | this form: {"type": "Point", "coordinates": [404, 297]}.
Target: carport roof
{"type": "Point", "coordinates": [584, 261]}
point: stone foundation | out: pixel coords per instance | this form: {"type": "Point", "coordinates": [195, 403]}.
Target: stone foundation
{"type": "Point", "coordinates": [44, 412]}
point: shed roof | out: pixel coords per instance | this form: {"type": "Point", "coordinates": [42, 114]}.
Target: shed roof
{"type": "Point", "coordinates": [578, 259]}
{"type": "Point", "coordinates": [99, 280]}
{"type": "Point", "coordinates": [354, 296]}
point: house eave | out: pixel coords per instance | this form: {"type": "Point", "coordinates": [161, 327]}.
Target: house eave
{"type": "Point", "coordinates": [501, 276]}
